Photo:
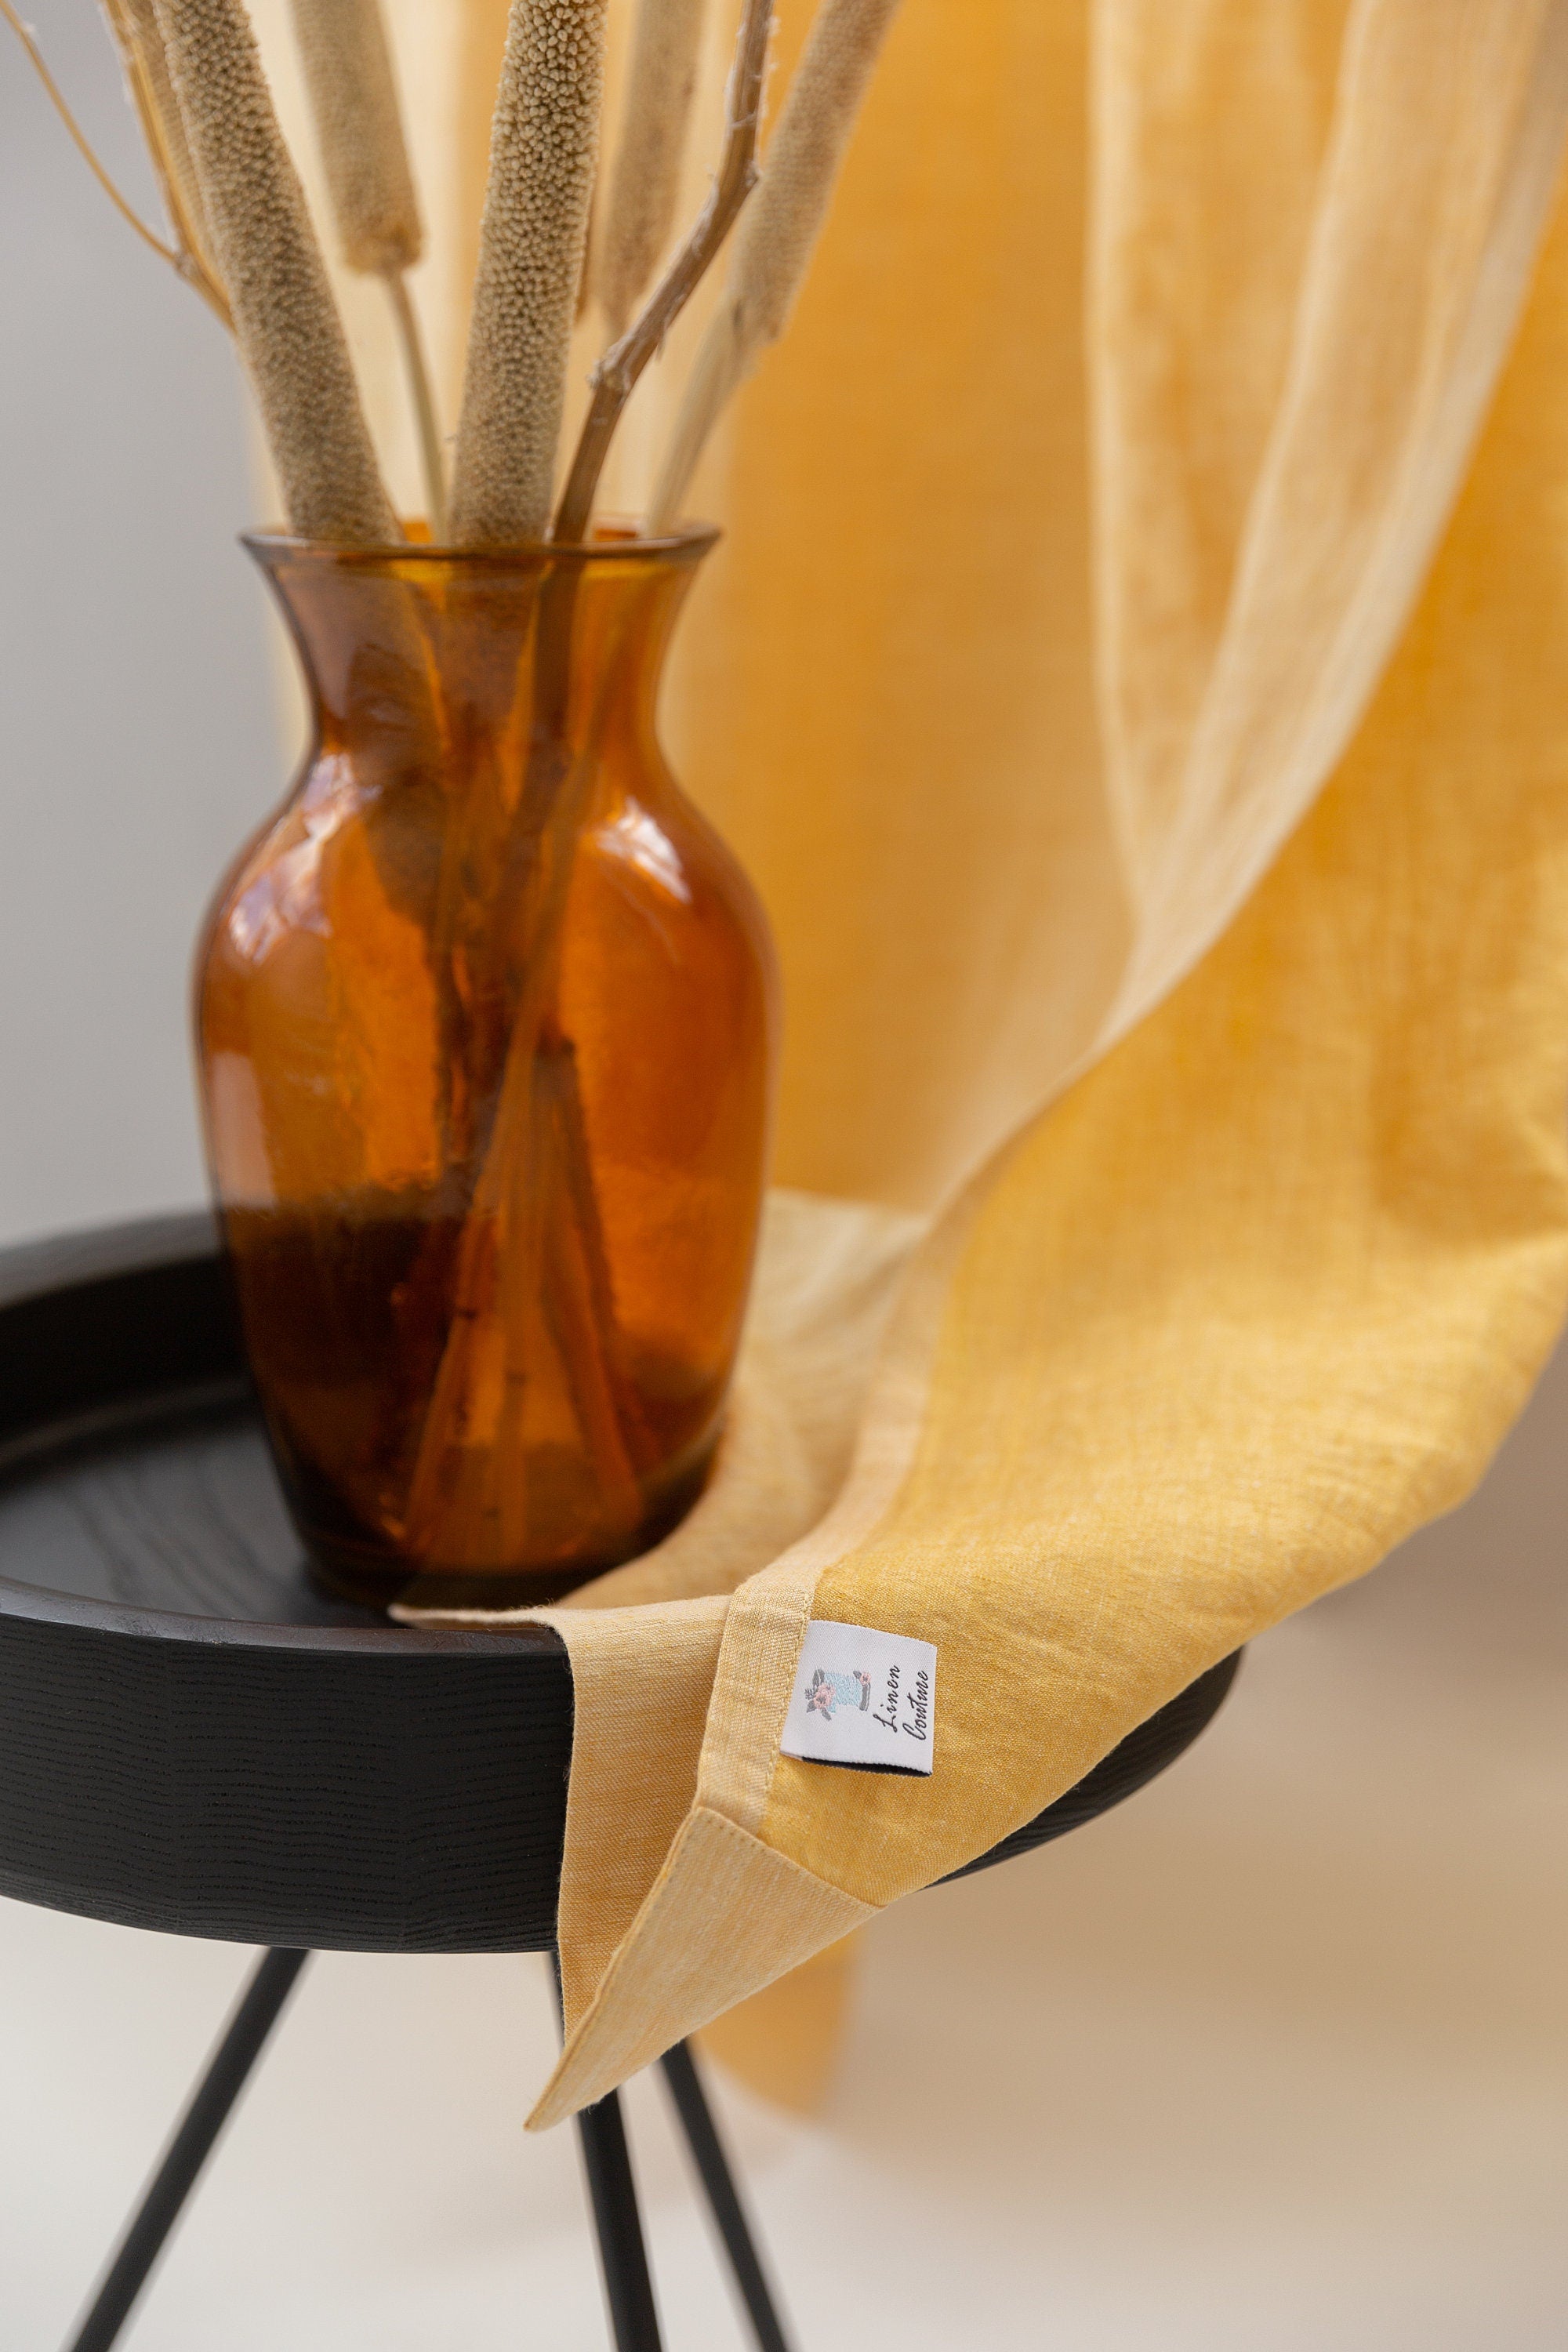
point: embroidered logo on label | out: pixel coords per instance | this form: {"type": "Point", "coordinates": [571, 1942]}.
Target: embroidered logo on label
{"type": "Point", "coordinates": [864, 1698]}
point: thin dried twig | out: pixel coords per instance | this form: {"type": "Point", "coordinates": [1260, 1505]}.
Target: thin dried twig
{"type": "Point", "coordinates": [616, 374]}
{"type": "Point", "coordinates": [365, 154]}
{"type": "Point", "coordinates": [640, 210]}
{"type": "Point", "coordinates": [773, 249]}
{"type": "Point", "coordinates": [285, 319]}
{"type": "Point", "coordinates": [542, 150]}
{"type": "Point", "coordinates": [180, 260]}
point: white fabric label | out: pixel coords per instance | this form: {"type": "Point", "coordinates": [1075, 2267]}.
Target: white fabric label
{"type": "Point", "coordinates": [863, 1698]}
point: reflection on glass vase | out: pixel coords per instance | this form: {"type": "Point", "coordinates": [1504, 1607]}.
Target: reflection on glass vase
{"type": "Point", "coordinates": [487, 1021]}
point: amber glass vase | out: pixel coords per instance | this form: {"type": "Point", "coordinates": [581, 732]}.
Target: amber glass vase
{"type": "Point", "coordinates": [486, 1029]}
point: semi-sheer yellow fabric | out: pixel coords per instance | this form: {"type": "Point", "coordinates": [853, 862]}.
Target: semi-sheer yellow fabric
{"type": "Point", "coordinates": [1135, 676]}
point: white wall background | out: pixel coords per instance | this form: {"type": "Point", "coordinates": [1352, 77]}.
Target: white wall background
{"type": "Point", "coordinates": [1277, 2056]}
{"type": "Point", "coordinates": [138, 744]}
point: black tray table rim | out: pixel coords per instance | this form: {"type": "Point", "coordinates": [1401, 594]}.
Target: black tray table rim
{"type": "Point", "coordinates": [346, 1784]}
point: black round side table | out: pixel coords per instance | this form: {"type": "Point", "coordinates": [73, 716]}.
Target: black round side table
{"type": "Point", "coordinates": [193, 1739]}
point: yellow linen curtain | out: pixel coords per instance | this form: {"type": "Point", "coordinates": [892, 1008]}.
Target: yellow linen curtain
{"type": "Point", "coordinates": [1133, 676]}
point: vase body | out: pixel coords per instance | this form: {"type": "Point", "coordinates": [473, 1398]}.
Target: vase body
{"type": "Point", "coordinates": [486, 1025]}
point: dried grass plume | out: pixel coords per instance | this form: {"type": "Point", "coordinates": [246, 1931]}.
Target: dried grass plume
{"type": "Point", "coordinates": [365, 154]}
{"type": "Point", "coordinates": [139, 41]}
{"type": "Point", "coordinates": [778, 234]}
{"type": "Point", "coordinates": [285, 319]}
{"type": "Point", "coordinates": [640, 210]}
{"type": "Point", "coordinates": [359, 126]}
{"type": "Point", "coordinates": [542, 148]}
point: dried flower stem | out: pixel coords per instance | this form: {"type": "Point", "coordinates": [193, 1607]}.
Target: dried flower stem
{"type": "Point", "coordinates": [423, 397]}
{"type": "Point", "coordinates": [542, 150]}
{"type": "Point", "coordinates": [285, 319]}
{"type": "Point", "coordinates": [616, 374]}
{"type": "Point", "coordinates": [640, 212]}
{"type": "Point", "coordinates": [370, 180]}
{"type": "Point", "coordinates": [779, 235]}
{"type": "Point", "coordinates": [180, 260]}
{"type": "Point", "coordinates": [590, 246]}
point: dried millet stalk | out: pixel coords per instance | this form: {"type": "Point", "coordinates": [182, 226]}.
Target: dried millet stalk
{"type": "Point", "coordinates": [359, 129]}
{"type": "Point", "coordinates": [640, 212]}
{"type": "Point", "coordinates": [140, 41]}
{"type": "Point", "coordinates": [354, 98]}
{"type": "Point", "coordinates": [542, 148]}
{"type": "Point", "coordinates": [777, 237]}
{"type": "Point", "coordinates": [289, 334]}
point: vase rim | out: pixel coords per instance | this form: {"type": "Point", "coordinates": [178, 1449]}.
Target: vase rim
{"type": "Point", "coordinates": [617, 540]}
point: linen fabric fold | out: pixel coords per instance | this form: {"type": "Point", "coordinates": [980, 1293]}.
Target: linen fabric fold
{"type": "Point", "coordinates": [1170, 861]}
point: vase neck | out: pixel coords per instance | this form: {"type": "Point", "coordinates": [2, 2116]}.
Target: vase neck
{"type": "Point", "coordinates": [425, 657]}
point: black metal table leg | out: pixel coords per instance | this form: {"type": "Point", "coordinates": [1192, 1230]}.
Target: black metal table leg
{"type": "Point", "coordinates": [623, 2257]}
{"type": "Point", "coordinates": [617, 2222]}
{"type": "Point", "coordinates": [210, 2107]}
{"type": "Point", "coordinates": [718, 2180]}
